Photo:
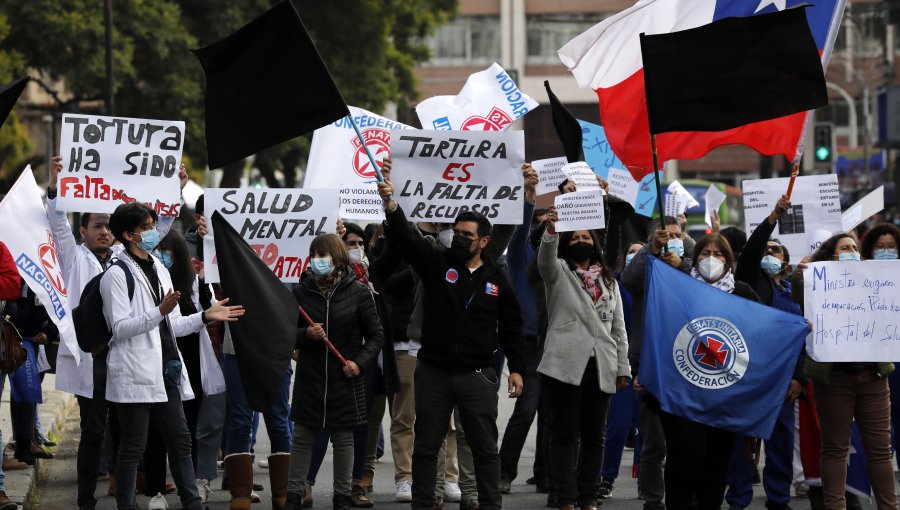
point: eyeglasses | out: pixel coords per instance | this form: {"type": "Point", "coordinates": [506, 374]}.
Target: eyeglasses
{"type": "Point", "coordinates": [467, 235]}
{"type": "Point", "coordinates": [775, 249]}
{"type": "Point", "coordinates": [356, 244]}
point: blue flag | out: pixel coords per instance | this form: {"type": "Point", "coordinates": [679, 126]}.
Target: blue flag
{"type": "Point", "coordinates": [715, 358]}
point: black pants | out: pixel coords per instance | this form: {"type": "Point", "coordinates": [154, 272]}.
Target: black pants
{"type": "Point", "coordinates": [94, 413]}
{"type": "Point", "coordinates": [579, 413]}
{"type": "Point", "coordinates": [474, 393]}
{"type": "Point", "coordinates": [523, 415]}
{"type": "Point", "coordinates": [696, 463]}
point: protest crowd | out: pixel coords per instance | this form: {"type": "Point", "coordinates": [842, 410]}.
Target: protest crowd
{"type": "Point", "coordinates": [452, 274]}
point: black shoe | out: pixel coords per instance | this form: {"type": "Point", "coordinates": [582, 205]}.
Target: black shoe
{"type": "Point", "coordinates": [258, 486]}
{"type": "Point", "coordinates": [542, 487]}
{"type": "Point", "coordinates": [44, 441]}
{"type": "Point", "coordinates": [552, 500]}
{"type": "Point", "coordinates": [605, 489]}
{"type": "Point", "coordinates": [505, 486]}
{"type": "Point", "coordinates": [755, 476]}
{"type": "Point", "coordinates": [531, 481]}
{"type": "Point", "coordinates": [294, 501]}
{"type": "Point", "coordinates": [88, 506]}
{"type": "Point", "coordinates": [341, 502]}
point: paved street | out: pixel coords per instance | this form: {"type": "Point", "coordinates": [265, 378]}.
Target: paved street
{"type": "Point", "coordinates": [57, 490]}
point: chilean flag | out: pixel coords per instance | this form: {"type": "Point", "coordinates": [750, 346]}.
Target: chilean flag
{"type": "Point", "coordinates": [607, 58]}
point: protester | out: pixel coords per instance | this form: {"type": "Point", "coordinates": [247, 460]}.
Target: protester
{"type": "Point", "coordinates": [881, 242]}
{"type": "Point", "coordinates": [10, 282]}
{"type": "Point", "coordinates": [144, 329]}
{"type": "Point", "coordinates": [330, 395]}
{"type": "Point", "coordinates": [472, 311]}
{"type": "Point", "coordinates": [585, 356]}
{"type": "Point", "coordinates": [763, 265]}
{"type": "Point", "coordinates": [653, 440]}
{"type": "Point", "coordinates": [847, 391]}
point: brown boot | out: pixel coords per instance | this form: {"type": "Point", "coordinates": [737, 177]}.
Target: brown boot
{"type": "Point", "coordinates": [567, 506]}
{"type": "Point", "coordinates": [368, 481]}
{"type": "Point", "coordinates": [111, 491]}
{"type": "Point", "coordinates": [239, 467]}
{"type": "Point", "coordinates": [278, 478]}
{"type": "Point", "coordinates": [11, 464]}
{"type": "Point", "coordinates": [307, 496]}
{"type": "Point", "coordinates": [6, 503]}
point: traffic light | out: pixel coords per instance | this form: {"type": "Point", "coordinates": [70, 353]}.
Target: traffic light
{"type": "Point", "coordinates": [823, 142]}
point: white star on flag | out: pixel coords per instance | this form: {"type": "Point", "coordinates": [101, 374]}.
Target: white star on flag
{"type": "Point", "coordinates": [779, 5]}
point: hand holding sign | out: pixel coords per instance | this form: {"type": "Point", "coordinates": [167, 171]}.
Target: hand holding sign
{"type": "Point", "coordinates": [531, 180]}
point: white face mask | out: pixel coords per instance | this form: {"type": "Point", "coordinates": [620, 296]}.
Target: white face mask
{"type": "Point", "coordinates": [711, 268]}
{"type": "Point", "coordinates": [445, 237]}
{"type": "Point", "coordinates": [357, 255]}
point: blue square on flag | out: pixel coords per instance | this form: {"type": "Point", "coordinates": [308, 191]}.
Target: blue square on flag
{"type": "Point", "coordinates": [715, 358]}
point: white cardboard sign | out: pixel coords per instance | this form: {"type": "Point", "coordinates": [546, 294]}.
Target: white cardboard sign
{"type": "Point", "coordinates": [714, 198]}
{"type": "Point", "coordinates": [550, 174]}
{"type": "Point", "coordinates": [109, 161]}
{"type": "Point", "coordinates": [854, 308]}
{"type": "Point", "coordinates": [279, 224]}
{"type": "Point", "coordinates": [868, 206]}
{"type": "Point", "coordinates": [439, 174]}
{"type": "Point", "coordinates": [580, 210]}
{"type": "Point", "coordinates": [581, 174]}
{"type": "Point", "coordinates": [676, 188]}
{"type": "Point", "coordinates": [623, 185]}
{"type": "Point", "coordinates": [676, 204]}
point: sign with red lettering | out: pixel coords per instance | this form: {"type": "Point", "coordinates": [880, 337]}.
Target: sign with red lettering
{"type": "Point", "coordinates": [109, 161]}
{"type": "Point", "coordinates": [439, 174]}
{"type": "Point", "coordinates": [279, 224]}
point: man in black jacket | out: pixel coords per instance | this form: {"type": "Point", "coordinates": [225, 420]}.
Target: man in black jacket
{"type": "Point", "coordinates": [470, 311]}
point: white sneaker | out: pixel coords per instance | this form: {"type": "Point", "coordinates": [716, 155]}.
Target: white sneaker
{"type": "Point", "coordinates": [204, 489]}
{"type": "Point", "coordinates": [254, 497]}
{"type": "Point", "coordinates": [158, 502]}
{"type": "Point", "coordinates": [452, 493]}
{"type": "Point", "coordinates": [404, 491]}
{"type": "Point", "coordinates": [263, 464]}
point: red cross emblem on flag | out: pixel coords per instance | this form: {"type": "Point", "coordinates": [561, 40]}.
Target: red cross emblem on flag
{"type": "Point", "coordinates": [712, 354]}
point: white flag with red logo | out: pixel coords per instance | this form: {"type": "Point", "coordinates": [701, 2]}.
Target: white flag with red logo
{"type": "Point", "coordinates": [26, 232]}
{"type": "Point", "coordinates": [337, 159]}
{"type": "Point", "coordinates": [489, 101]}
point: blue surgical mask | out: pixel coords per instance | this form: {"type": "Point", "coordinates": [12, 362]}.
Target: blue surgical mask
{"type": "Point", "coordinates": [629, 258]}
{"type": "Point", "coordinates": [853, 256]}
{"type": "Point", "coordinates": [771, 265]}
{"type": "Point", "coordinates": [165, 257]}
{"type": "Point", "coordinates": [885, 254]}
{"type": "Point", "coordinates": [676, 246]}
{"type": "Point", "coordinates": [321, 266]}
{"type": "Point", "coordinates": [149, 239]}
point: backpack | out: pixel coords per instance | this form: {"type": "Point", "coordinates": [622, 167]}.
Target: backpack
{"type": "Point", "coordinates": [90, 324]}
{"type": "Point", "coordinates": [12, 352]}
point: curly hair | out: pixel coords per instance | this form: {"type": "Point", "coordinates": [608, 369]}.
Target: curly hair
{"type": "Point", "coordinates": [868, 244]}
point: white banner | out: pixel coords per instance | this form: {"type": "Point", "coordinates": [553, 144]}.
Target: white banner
{"type": "Point", "coordinates": [26, 233]}
{"type": "Point", "coordinates": [439, 174]}
{"type": "Point", "coordinates": [279, 224]}
{"type": "Point", "coordinates": [815, 207]}
{"type": "Point", "coordinates": [109, 161]}
{"type": "Point", "coordinates": [714, 198]}
{"type": "Point", "coordinates": [868, 206]}
{"type": "Point", "coordinates": [550, 174]}
{"type": "Point", "coordinates": [854, 308]}
{"type": "Point", "coordinates": [580, 210]}
{"type": "Point", "coordinates": [489, 101]}
{"type": "Point", "coordinates": [582, 175]}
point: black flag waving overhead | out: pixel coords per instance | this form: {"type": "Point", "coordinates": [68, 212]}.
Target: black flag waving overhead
{"type": "Point", "coordinates": [9, 95]}
{"type": "Point", "coordinates": [265, 84]}
{"type": "Point", "coordinates": [567, 127]}
{"type": "Point", "coordinates": [265, 337]}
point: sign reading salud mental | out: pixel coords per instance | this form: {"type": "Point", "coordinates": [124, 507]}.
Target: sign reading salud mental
{"type": "Point", "coordinates": [439, 174]}
{"type": "Point", "coordinates": [854, 308]}
{"type": "Point", "coordinates": [109, 161]}
{"type": "Point", "coordinates": [279, 224]}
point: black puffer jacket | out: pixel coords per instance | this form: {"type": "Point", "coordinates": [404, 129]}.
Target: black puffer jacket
{"type": "Point", "coordinates": [323, 396]}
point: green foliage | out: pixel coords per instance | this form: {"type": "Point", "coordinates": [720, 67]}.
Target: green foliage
{"type": "Point", "coordinates": [14, 143]}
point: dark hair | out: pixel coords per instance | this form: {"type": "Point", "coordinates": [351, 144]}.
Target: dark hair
{"type": "Point", "coordinates": [128, 217]}
{"type": "Point", "coordinates": [373, 231]}
{"type": "Point", "coordinates": [353, 228]}
{"type": "Point", "coordinates": [537, 230]}
{"type": "Point", "coordinates": [85, 220]}
{"type": "Point", "coordinates": [484, 226]}
{"type": "Point", "coordinates": [868, 244]}
{"type": "Point", "coordinates": [182, 271]}
{"type": "Point", "coordinates": [562, 251]}
{"type": "Point", "coordinates": [538, 212]}
{"type": "Point", "coordinates": [653, 226]}
{"type": "Point", "coordinates": [198, 206]}
{"type": "Point", "coordinates": [332, 245]}
{"type": "Point", "coordinates": [737, 238]}
{"type": "Point", "coordinates": [723, 243]}
{"type": "Point", "coordinates": [826, 249]}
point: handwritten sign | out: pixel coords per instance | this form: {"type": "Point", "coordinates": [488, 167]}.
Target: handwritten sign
{"type": "Point", "coordinates": [278, 224]}
{"type": "Point", "coordinates": [623, 185]}
{"type": "Point", "coordinates": [580, 210]}
{"type": "Point", "coordinates": [855, 310]}
{"type": "Point", "coordinates": [815, 207]}
{"type": "Point", "coordinates": [581, 174]}
{"type": "Point", "coordinates": [676, 204]}
{"type": "Point", "coordinates": [439, 174]}
{"type": "Point", "coordinates": [109, 161]}
{"type": "Point", "coordinates": [550, 174]}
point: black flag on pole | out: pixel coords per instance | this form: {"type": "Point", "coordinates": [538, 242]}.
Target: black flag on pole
{"type": "Point", "coordinates": [732, 72]}
{"type": "Point", "coordinates": [265, 84]}
{"type": "Point", "coordinates": [567, 127]}
{"type": "Point", "coordinates": [9, 95]}
{"type": "Point", "coordinates": [265, 336]}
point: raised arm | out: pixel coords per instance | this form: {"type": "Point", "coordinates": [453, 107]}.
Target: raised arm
{"type": "Point", "coordinates": [415, 249]}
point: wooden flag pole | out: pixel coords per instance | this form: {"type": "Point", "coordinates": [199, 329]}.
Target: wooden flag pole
{"type": "Point", "coordinates": [327, 341]}
{"type": "Point", "coordinates": [659, 200]}
{"type": "Point", "coordinates": [794, 174]}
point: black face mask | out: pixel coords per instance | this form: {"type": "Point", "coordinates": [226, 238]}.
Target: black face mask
{"type": "Point", "coordinates": [580, 252]}
{"type": "Point", "coordinates": [460, 248]}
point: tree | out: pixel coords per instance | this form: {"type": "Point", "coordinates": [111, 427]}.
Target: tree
{"type": "Point", "coordinates": [14, 144]}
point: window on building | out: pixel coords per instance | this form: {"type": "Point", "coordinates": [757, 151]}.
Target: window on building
{"type": "Point", "coordinates": [867, 22]}
{"type": "Point", "coordinates": [466, 41]}
{"type": "Point", "coordinates": [547, 33]}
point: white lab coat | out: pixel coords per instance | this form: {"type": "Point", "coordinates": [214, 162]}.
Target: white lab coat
{"type": "Point", "coordinates": [134, 363]}
{"type": "Point", "coordinates": [79, 265]}
{"type": "Point", "coordinates": [211, 377]}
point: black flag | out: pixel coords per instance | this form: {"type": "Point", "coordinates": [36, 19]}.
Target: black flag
{"type": "Point", "coordinates": [265, 84]}
{"type": "Point", "coordinates": [265, 336]}
{"type": "Point", "coordinates": [567, 127]}
{"type": "Point", "coordinates": [9, 95]}
{"type": "Point", "coordinates": [732, 72]}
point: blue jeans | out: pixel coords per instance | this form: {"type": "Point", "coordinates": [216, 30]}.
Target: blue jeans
{"type": "Point", "coordinates": [778, 472]}
{"type": "Point", "coordinates": [240, 416]}
{"type": "Point", "coordinates": [624, 411]}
